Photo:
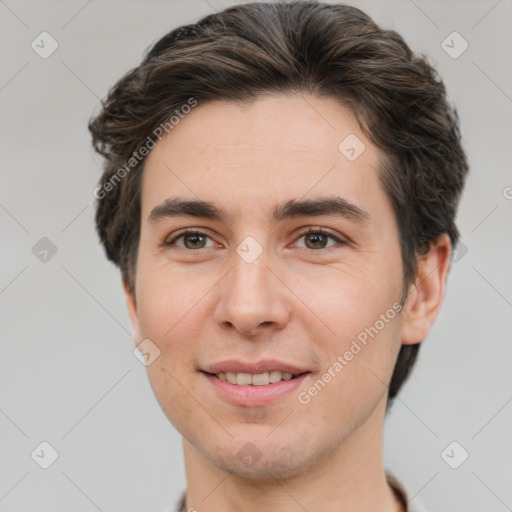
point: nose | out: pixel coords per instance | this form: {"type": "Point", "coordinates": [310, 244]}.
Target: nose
{"type": "Point", "coordinates": [253, 297]}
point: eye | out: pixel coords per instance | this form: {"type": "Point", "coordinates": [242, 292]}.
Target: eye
{"type": "Point", "coordinates": [316, 238]}
{"type": "Point", "coordinates": [192, 239]}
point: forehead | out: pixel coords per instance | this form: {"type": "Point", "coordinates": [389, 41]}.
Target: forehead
{"type": "Point", "coordinates": [250, 158]}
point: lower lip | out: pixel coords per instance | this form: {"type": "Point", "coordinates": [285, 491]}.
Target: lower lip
{"type": "Point", "coordinates": [253, 396]}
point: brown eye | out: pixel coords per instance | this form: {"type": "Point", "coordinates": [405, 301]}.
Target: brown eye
{"type": "Point", "coordinates": [318, 238]}
{"type": "Point", "coordinates": [191, 240]}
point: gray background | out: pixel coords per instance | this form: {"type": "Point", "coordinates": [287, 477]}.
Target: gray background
{"type": "Point", "coordinates": [68, 375]}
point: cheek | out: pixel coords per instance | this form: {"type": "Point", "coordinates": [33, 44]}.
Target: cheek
{"type": "Point", "coordinates": [174, 391]}
{"type": "Point", "coordinates": [168, 315]}
{"type": "Point", "coordinates": [354, 380]}
{"type": "Point", "coordinates": [345, 299]}
{"type": "Point", "coordinates": [355, 322]}
{"type": "Point", "coordinates": [168, 300]}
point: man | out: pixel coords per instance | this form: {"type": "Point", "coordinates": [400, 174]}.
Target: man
{"type": "Point", "coordinates": [280, 192]}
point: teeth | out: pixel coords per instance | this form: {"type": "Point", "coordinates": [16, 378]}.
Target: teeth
{"type": "Point", "coordinates": [243, 379]}
{"type": "Point", "coordinates": [254, 379]}
{"type": "Point", "coordinates": [274, 376]}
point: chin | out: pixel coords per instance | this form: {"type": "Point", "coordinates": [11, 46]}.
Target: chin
{"type": "Point", "coordinates": [264, 469]}
{"type": "Point", "coordinates": [263, 458]}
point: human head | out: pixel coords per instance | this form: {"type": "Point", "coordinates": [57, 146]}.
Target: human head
{"type": "Point", "coordinates": [249, 51]}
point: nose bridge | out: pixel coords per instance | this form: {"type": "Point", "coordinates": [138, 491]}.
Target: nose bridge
{"type": "Point", "coordinates": [252, 294]}
{"type": "Point", "coordinates": [249, 283]}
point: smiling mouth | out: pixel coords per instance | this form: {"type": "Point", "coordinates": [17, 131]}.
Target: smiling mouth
{"type": "Point", "coordinates": [255, 379]}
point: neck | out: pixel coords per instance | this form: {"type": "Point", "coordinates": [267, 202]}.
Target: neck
{"type": "Point", "coordinates": [350, 478]}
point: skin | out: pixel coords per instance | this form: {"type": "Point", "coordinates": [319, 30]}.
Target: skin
{"type": "Point", "coordinates": [302, 301]}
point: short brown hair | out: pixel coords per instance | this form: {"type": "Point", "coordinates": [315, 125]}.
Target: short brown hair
{"type": "Point", "coordinates": [262, 48]}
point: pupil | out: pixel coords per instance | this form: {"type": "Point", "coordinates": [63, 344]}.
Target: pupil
{"type": "Point", "coordinates": [316, 236]}
{"type": "Point", "coordinates": [193, 237]}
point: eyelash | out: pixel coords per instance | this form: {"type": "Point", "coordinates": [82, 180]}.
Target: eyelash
{"type": "Point", "coordinates": [310, 230]}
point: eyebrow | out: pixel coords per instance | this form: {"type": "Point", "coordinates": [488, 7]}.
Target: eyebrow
{"type": "Point", "coordinates": [293, 208]}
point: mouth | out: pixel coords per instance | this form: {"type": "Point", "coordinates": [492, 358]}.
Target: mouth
{"type": "Point", "coordinates": [244, 389]}
{"type": "Point", "coordinates": [255, 379]}
{"type": "Point", "coordinates": [254, 383]}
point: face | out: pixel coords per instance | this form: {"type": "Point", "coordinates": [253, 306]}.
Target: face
{"type": "Point", "coordinates": [259, 287]}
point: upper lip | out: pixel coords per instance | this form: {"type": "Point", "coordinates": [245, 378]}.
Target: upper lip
{"type": "Point", "coordinates": [266, 365]}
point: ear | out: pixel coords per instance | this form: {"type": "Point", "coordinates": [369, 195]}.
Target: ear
{"type": "Point", "coordinates": [426, 294]}
{"type": "Point", "coordinates": [131, 305]}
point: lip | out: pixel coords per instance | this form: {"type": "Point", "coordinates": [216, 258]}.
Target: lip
{"type": "Point", "coordinates": [262, 366]}
{"type": "Point", "coordinates": [254, 396]}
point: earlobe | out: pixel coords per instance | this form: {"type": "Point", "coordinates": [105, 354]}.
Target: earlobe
{"type": "Point", "coordinates": [131, 306]}
{"type": "Point", "coordinates": [426, 294]}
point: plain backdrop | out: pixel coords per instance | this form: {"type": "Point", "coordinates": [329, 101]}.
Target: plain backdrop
{"type": "Point", "coordinates": [68, 375]}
